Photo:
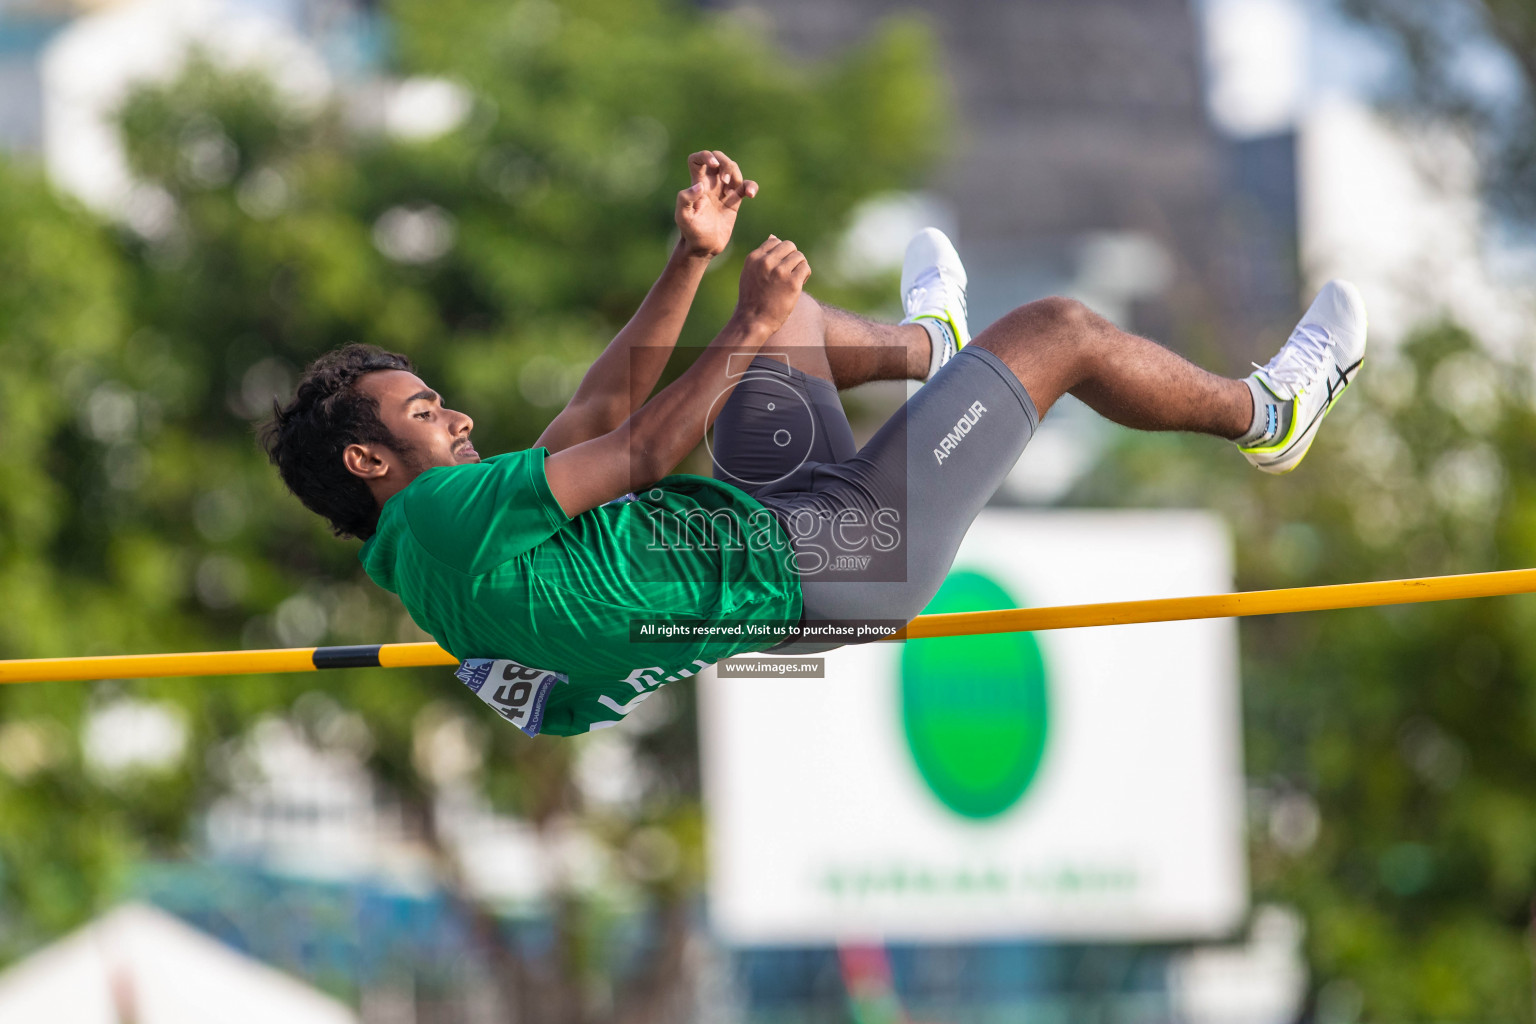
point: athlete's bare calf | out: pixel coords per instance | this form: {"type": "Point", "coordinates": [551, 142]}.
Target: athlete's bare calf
{"type": "Point", "coordinates": [1059, 346]}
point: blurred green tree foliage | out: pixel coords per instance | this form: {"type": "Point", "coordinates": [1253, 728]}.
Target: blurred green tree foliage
{"type": "Point", "coordinates": [1391, 752]}
{"type": "Point", "coordinates": [138, 515]}
{"type": "Point", "coordinates": [1412, 729]}
{"type": "Point", "coordinates": [62, 306]}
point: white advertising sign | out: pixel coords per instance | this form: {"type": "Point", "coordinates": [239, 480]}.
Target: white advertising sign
{"type": "Point", "coordinates": [1071, 784]}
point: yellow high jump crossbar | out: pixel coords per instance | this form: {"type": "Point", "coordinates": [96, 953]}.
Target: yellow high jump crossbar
{"type": "Point", "coordinates": [1012, 620]}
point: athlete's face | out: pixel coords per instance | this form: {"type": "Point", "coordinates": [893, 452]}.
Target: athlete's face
{"type": "Point", "coordinates": [426, 433]}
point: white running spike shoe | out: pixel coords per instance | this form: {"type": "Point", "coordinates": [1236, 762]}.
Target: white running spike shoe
{"type": "Point", "coordinates": [933, 288]}
{"type": "Point", "coordinates": [1311, 370]}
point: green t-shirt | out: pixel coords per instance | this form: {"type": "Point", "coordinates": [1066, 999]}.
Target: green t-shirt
{"type": "Point", "coordinates": [486, 561]}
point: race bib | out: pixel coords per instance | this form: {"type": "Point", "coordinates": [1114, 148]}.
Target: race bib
{"type": "Point", "coordinates": [515, 692]}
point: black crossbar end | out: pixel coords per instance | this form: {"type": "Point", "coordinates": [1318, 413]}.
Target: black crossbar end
{"type": "Point", "coordinates": [360, 656]}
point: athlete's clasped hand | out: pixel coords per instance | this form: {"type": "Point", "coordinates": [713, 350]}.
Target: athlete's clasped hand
{"type": "Point", "coordinates": [771, 282]}
{"type": "Point", "coordinates": [706, 214]}
{"type": "Point", "coordinates": [706, 210]}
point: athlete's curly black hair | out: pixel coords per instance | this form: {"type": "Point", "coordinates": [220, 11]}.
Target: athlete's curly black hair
{"type": "Point", "coordinates": [305, 438]}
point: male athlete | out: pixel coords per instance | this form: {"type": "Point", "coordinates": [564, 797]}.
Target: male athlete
{"type": "Point", "coordinates": [575, 577]}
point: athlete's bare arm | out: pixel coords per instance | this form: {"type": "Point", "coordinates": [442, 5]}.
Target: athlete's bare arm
{"type": "Point", "coordinates": [649, 444]}
{"type": "Point", "coordinates": [621, 379]}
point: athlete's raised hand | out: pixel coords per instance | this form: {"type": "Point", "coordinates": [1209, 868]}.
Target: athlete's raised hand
{"type": "Point", "coordinates": [706, 210]}
{"type": "Point", "coordinates": [771, 281]}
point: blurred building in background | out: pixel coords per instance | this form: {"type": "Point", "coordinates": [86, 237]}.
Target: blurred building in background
{"type": "Point", "coordinates": [1152, 157]}
{"type": "Point", "coordinates": [1084, 163]}
{"type": "Point", "coordinates": [23, 35]}
{"type": "Point", "coordinates": [1084, 160]}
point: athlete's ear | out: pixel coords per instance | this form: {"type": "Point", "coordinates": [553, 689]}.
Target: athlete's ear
{"type": "Point", "coordinates": [365, 460]}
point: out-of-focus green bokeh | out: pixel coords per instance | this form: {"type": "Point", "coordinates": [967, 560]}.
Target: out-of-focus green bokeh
{"type": "Point", "coordinates": [1391, 752]}
{"type": "Point", "coordinates": [137, 513]}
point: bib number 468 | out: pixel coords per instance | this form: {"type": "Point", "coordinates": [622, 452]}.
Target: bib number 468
{"type": "Point", "coordinates": [516, 689]}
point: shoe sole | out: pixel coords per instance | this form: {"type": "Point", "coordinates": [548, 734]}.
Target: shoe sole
{"type": "Point", "coordinates": [1286, 461]}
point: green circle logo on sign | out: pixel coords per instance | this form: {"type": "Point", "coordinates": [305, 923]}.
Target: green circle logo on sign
{"type": "Point", "coordinates": [975, 707]}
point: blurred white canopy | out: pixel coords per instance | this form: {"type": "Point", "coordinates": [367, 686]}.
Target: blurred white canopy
{"type": "Point", "coordinates": [138, 965]}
